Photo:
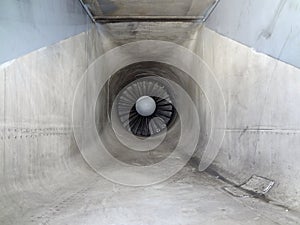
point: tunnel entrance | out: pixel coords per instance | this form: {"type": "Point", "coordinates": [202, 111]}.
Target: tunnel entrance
{"type": "Point", "coordinates": [121, 94]}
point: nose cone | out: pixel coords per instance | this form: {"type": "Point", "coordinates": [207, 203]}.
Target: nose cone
{"type": "Point", "coordinates": [145, 106]}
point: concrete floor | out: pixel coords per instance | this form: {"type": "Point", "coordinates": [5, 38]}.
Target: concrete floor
{"type": "Point", "coordinates": [188, 198]}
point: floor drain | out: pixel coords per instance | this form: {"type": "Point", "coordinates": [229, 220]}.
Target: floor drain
{"type": "Point", "coordinates": [258, 185]}
{"type": "Point", "coordinates": [255, 186]}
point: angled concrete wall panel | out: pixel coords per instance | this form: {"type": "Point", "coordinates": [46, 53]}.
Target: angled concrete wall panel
{"type": "Point", "coordinates": [29, 25]}
{"type": "Point", "coordinates": [270, 26]}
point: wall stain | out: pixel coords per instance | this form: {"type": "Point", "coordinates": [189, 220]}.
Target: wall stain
{"type": "Point", "coordinates": [267, 33]}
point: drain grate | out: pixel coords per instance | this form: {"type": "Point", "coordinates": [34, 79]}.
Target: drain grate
{"type": "Point", "coordinates": [255, 186]}
{"type": "Point", "coordinates": [258, 185]}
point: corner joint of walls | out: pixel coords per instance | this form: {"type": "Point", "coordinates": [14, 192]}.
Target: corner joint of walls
{"type": "Point", "coordinates": [210, 10]}
{"type": "Point", "coordinates": [86, 9]}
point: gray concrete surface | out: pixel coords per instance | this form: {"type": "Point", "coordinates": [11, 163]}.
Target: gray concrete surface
{"type": "Point", "coordinates": [26, 26]}
{"type": "Point", "coordinates": [148, 8]}
{"type": "Point", "coordinates": [45, 180]}
{"type": "Point", "coordinates": [262, 101]}
{"type": "Point", "coordinates": [188, 198]}
{"type": "Point", "coordinates": [269, 26]}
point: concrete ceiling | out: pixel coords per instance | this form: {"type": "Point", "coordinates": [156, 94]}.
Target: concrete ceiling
{"type": "Point", "coordinates": [148, 7]}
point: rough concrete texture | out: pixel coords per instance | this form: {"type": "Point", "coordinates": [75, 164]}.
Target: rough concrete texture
{"type": "Point", "coordinates": [262, 109]}
{"type": "Point", "coordinates": [148, 8]}
{"type": "Point", "coordinates": [26, 26]}
{"type": "Point", "coordinates": [269, 26]}
{"type": "Point", "coordinates": [188, 198]}
{"type": "Point", "coordinates": [37, 144]}
{"type": "Point", "coordinates": [44, 179]}
{"type": "Point", "coordinates": [177, 32]}
{"type": "Point", "coordinates": [262, 133]}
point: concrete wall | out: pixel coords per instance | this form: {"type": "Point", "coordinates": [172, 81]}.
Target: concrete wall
{"type": "Point", "coordinates": [261, 96]}
{"type": "Point", "coordinates": [39, 156]}
{"type": "Point", "coordinates": [262, 100]}
{"type": "Point", "coordinates": [51, 44]}
{"type": "Point", "coordinates": [149, 8]}
{"type": "Point", "coordinates": [27, 25]}
{"type": "Point", "coordinates": [269, 26]}
{"type": "Point", "coordinates": [36, 93]}
{"type": "Point", "coordinates": [262, 93]}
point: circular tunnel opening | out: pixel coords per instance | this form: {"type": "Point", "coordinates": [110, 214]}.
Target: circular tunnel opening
{"type": "Point", "coordinates": [116, 153]}
{"type": "Point", "coordinates": [149, 82]}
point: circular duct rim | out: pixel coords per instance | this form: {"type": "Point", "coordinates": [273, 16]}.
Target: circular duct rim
{"type": "Point", "coordinates": [85, 129]}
